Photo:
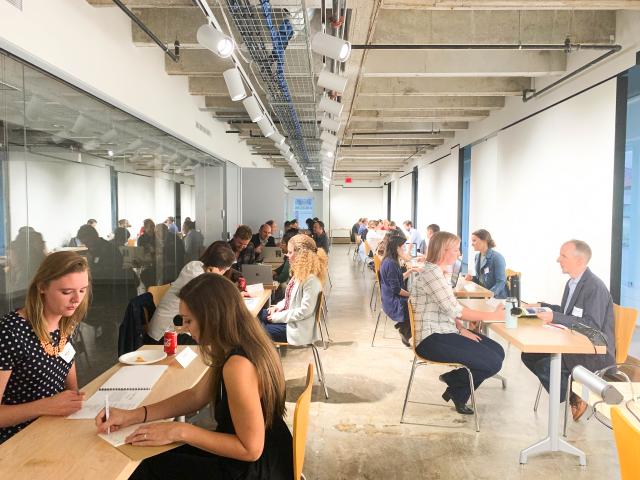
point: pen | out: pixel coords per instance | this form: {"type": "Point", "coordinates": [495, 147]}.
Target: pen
{"type": "Point", "coordinates": [106, 412]}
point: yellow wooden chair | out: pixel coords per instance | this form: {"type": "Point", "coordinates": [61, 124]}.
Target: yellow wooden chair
{"type": "Point", "coordinates": [376, 282]}
{"type": "Point", "coordinates": [511, 276]}
{"type": "Point", "coordinates": [627, 435]}
{"type": "Point", "coordinates": [419, 361]}
{"type": "Point", "coordinates": [301, 425]}
{"type": "Point", "coordinates": [357, 248]}
{"type": "Point", "coordinates": [367, 249]}
{"type": "Point", "coordinates": [158, 291]}
{"type": "Point", "coordinates": [314, 349]}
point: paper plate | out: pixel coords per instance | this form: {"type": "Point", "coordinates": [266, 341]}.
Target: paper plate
{"type": "Point", "coordinates": [142, 357]}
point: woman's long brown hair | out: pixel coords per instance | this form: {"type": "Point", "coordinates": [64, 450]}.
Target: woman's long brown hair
{"type": "Point", "coordinates": [225, 323]}
{"type": "Point", "coordinates": [55, 266]}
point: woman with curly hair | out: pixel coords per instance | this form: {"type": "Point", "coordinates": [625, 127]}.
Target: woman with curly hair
{"type": "Point", "coordinates": [292, 320]}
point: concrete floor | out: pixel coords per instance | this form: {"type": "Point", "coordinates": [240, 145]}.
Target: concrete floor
{"type": "Point", "coordinates": [356, 434]}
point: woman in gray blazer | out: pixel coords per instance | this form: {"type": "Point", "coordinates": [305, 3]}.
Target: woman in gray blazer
{"type": "Point", "coordinates": [292, 320]}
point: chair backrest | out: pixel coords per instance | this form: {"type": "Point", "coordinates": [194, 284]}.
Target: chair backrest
{"type": "Point", "coordinates": [376, 264]}
{"type": "Point", "coordinates": [513, 283]}
{"type": "Point", "coordinates": [319, 308]}
{"type": "Point", "coordinates": [158, 291]}
{"type": "Point", "coordinates": [367, 248]}
{"type": "Point", "coordinates": [301, 425]}
{"type": "Point", "coordinates": [627, 437]}
{"type": "Point", "coordinates": [624, 320]}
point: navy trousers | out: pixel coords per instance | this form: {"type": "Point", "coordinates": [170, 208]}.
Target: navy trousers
{"type": "Point", "coordinates": [540, 365]}
{"type": "Point", "coordinates": [483, 358]}
{"type": "Point", "coordinates": [277, 331]}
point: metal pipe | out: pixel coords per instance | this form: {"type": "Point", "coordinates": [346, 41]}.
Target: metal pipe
{"type": "Point", "coordinates": [526, 98]}
{"type": "Point", "coordinates": [175, 57]}
{"type": "Point", "coordinates": [568, 47]}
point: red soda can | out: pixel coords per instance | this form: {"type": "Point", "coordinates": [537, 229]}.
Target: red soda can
{"type": "Point", "coordinates": [170, 342]}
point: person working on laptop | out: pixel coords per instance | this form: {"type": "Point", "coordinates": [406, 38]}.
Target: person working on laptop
{"type": "Point", "coordinates": [320, 236]}
{"type": "Point", "coordinates": [274, 229]}
{"type": "Point", "coordinates": [217, 258]}
{"type": "Point", "coordinates": [262, 239]}
{"type": "Point", "coordinates": [586, 300]}
{"type": "Point", "coordinates": [242, 247]}
{"type": "Point", "coordinates": [490, 265]}
{"type": "Point", "coordinates": [292, 320]}
{"type": "Point", "coordinates": [413, 236]}
{"type": "Point", "coordinates": [440, 334]}
{"type": "Point", "coordinates": [431, 231]}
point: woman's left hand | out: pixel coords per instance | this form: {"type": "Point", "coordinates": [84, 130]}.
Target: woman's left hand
{"type": "Point", "coordinates": [155, 434]}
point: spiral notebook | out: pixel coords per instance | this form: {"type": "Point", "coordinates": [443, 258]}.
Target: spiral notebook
{"type": "Point", "coordinates": [127, 389]}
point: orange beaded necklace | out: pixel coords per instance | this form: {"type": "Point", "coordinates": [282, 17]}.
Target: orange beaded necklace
{"type": "Point", "coordinates": [54, 351]}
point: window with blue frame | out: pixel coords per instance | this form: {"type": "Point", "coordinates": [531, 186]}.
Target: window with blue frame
{"type": "Point", "coordinates": [465, 164]}
{"type": "Point", "coordinates": [302, 209]}
{"type": "Point", "coordinates": [630, 267]}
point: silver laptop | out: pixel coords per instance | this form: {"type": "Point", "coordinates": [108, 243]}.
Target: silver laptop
{"type": "Point", "coordinates": [272, 255]}
{"type": "Point", "coordinates": [255, 274]}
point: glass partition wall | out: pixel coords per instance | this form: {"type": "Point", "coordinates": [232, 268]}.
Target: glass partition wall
{"type": "Point", "coordinates": [80, 174]}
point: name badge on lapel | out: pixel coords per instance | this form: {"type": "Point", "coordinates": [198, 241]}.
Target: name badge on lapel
{"type": "Point", "coordinates": [576, 312]}
{"type": "Point", "coordinates": [486, 270]}
{"type": "Point", "coordinates": [67, 353]}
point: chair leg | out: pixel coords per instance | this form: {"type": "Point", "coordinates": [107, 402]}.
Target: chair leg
{"type": "Point", "coordinates": [473, 399]}
{"type": "Point", "coordinates": [408, 392]}
{"type": "Point", "coordinates": [323, 321]}
{"type": "Point", "coordinates": [375, 330]}
{"type": "Point", "coordinates": [373, 289]}
{"type": "Point", "coordinates": [329, 278]}
{"type": "Point", "coordinates": [535, 406]}
{"type": "Point", "coordinates": [321, 377]}
{"type": "Point", "coordinates": [566, 407]}
{"type": "Point", "coordinates": [324, 342]}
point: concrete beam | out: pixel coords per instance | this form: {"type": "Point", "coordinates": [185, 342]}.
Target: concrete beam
{"type": "Point", "coordinates": [357, 142]}
{"type": "Point", "coordinates": [436, 87]}
{"type": "Point", "coordinates": [420, 115]}
{"type": "Point", "coordinates": [169, 25]}
{"type": "Point", "coordinates": [414, 137]}
{"type": "Point", "coordinates": [197, 63]}
{"type": "Point", "coordinates": [381, 126]}
{"type": "Point", "coordinates": [145, 3]}
{"type": "Point", "coordinates": [428, 103]}
{"type": "Point", "coordinates": [512, 4]}
{"type": "Point", "coordinates": [498, 27]}
{"type": "Point", "coordinates": [464, 63]}
{"type": "Point", "coordinates": [209, 85]}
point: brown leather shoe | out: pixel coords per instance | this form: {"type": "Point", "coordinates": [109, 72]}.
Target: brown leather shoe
{"type": "Point", "coordinates": [578, 409]}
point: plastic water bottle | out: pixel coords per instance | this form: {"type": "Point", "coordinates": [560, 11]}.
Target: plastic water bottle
{"type": "Point", "coordinates": [510, 321]}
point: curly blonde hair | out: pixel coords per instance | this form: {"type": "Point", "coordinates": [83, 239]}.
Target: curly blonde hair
{"type": "Point", "coordinates": [309, 259]}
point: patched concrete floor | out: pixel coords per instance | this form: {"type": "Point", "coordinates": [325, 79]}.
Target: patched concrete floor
{"type": "Point", "coordinates": [356, 433]}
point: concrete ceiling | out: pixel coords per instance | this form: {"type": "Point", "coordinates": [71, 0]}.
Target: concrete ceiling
{"type": "Point", "coordinates": [399, 102]}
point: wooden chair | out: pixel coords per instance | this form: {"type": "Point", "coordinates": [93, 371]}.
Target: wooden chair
{"type": "Point", "coordinates": [367, 249]}
{"type": "Point", "coordinates": [374, 291]}
{"type": "Point", "coordinates": [627, 435]}
{"type": "Point", "coordinates": [357, 248]}
{"type": "Point", "coordinates": [314, 349]}
{"type": "Point", "coordinates": [419, 361]}
{"type": "Point", "coordinates": [513, 283]}
{"type": "Point", "coordinates": [158, 291]}
{"type": "Point", "coordinates": [301, 425]}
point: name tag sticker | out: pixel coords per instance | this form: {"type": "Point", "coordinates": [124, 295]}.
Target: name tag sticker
{"type": "Point", "coordinates": [576, 312]}
{"type": "Point", "coordinates": [486, 270]}
{"type": "Point", "coordinates": [67, 353]}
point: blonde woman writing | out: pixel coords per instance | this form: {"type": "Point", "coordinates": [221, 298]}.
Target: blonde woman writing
{"type": "Point", "coordinates": [292, 320]}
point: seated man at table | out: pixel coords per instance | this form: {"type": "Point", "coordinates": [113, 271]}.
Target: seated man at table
{"type": "Point", "coordinates": [585, 300]}
{"type": "Point", "coordinates": [242, 247]}
{"type": "Point", "coordinates": [262, 239]}
{"type": "Point", "coordinates": [320, 236]}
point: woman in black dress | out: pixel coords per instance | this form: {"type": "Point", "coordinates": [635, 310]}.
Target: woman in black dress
{"type": "Point", "coordinates": [37, 369]}
{"type": "Point", "coordinates": [246, 383]}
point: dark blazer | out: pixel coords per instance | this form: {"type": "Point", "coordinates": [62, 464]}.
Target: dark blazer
{"type": "Point", "coordinates": [391, 282]}
{"type": "Point", "coordinates": [255, 239]}
{"type": "Point", "coordinates": [491, 273]}
{"type": "Point", "coordinates": [591, 295]}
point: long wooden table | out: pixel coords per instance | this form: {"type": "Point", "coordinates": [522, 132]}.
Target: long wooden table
{"type": "Point", "coordinates": [532, 337]}
{"type": "Point", "coordinates": [467, 289]}
{"type": "Point", "coordinates": [59, 449]}
{"type": "Point", "coordinates": [260, 301]}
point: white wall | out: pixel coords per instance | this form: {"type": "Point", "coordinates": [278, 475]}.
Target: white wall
{"type": "Point", "coordinates": [547, 180]}
{"type": "Point", "coordinates": [401, 199]}
{"type": "Point", "coordinates": [262, 196]}
{"type": "Point", "coordinates": [38, 183]}
{"type": "Point", "coordinates": [188, 202]}
{"type": "Point", "coordinates": [92, 48]}
{"type": "Point", "coordinates": [233, 197]}
{"type": "Point", "coordinates": [350, 203]}
{"type": "Point", "coordinates": [438, 194]}
{"type": "Point", "coordinates": [317, 203]}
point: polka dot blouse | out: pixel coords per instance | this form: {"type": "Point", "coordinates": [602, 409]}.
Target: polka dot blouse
{"type": "Point", "coordinates": [34, 374]}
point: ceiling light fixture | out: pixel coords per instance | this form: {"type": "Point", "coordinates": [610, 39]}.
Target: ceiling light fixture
{"type": "Point", "coordinates": [331, 46]}
{"type": "Point", "coordinates": [329, 123]}
{"type": "Point", "coordinates": [266, 127]}
{"type": "Point", "coordinates": [278, 139]}
{"type": "Point", "coordinates": [253, 108]}
{"type": "Point", "coordinates": [331, 106]}
{"type": "Point", "coordinates": [329, 138]}
{"type": "Point", "coordinates": [332, 82]}
{"type": "Point", "coordinates": [233, 79]}
{"type": "Point", "coordinates": [220, 44]}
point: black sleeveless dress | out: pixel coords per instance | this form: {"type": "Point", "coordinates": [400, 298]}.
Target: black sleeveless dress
{"type": "Point", "coordinates": [187, 462]}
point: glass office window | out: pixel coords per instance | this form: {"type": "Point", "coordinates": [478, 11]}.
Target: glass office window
{"type": "Point", "coordinates": [302, 209]}
{"type": "Point", "coordinates": [466, 200]}
{"type": "Point", "coordinates": [630, 284]}
{"type": "Point", "coordinates": [78, 174]}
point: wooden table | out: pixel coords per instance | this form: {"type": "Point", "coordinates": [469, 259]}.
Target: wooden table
{"type": "Point", "coordinates": [261, 300]}
{"type": "Point", "coordinates": [467, 289]}
{"type": "Point", "coordinates": [61, 449]}
{"type": "Point", "coordinates": [531, 337]}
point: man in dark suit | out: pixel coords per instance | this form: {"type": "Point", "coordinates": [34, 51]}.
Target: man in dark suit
{"type": "Point", "coordinates": [586, 300]}
{"type": "Point", "coordinates": [262, 239]}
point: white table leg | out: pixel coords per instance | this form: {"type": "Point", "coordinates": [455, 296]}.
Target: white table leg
{"type": "Point", "coordinates": [553, 442]}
